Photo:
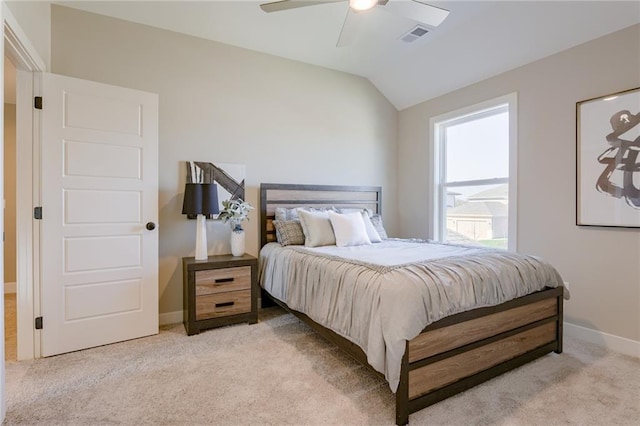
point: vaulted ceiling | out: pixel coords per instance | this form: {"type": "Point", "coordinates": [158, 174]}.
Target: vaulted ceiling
{"type": "Point", "coordinates": [478, 39]}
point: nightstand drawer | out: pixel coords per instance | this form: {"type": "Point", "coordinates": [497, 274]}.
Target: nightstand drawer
{"type": "Point", "coordinates": [214, 281]}
{"type": "Point", "coordinates": [223, 304]}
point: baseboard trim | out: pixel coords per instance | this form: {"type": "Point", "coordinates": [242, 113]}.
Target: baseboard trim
{"type": "Point", "coordinates": [171, 318]}
{"type": "Point", "coordinates": [9, 287]}
{"type": "Point", "coordinates": [609, 341]}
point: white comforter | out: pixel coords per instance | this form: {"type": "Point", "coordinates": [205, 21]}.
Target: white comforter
{"type": "Point", "coordinates": [379, 296]}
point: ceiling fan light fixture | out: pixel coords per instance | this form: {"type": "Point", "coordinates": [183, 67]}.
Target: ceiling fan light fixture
{"type": "Point", "coordinates": [360, 5]}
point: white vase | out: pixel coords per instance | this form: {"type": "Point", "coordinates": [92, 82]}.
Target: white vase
{"type": "Point", "coordinates": [237, 242]}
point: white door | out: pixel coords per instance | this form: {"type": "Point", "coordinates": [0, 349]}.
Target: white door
{"type": "Point", "coordinates": [99, 260]}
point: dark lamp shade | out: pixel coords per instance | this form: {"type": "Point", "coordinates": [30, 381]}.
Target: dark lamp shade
{"type": "Point", "coordinates": [200, 198]}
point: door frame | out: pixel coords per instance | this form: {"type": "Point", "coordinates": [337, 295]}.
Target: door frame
{"type": "Point", "coordinates": [28, 62]}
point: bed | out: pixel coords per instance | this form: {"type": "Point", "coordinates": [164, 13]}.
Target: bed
{"type": "Point", "coordinates": [459, 346]}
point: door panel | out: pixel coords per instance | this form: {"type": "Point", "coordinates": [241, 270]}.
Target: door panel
{"type": "Point", "coordinates": [94, 112]}
{"type": "Point", "coordinates": [102, 160]}
{"type": "Point", "coordinates": [99, 253]}
{"type": "Point", "coordinates": [95, 300]}
{"type": "Point", "coordinates": [86, 206]}
{"type": "Point", "coordinates": [99, 263]}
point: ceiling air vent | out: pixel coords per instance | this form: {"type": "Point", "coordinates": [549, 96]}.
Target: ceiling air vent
{"type": "Point", "coordinates": [417, 32]}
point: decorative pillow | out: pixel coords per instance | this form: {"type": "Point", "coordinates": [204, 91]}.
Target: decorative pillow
{"type": "Point", "coordinates": [376, 221]}
{"type": "Point", "coordinates": [282, 213]}
{"type": "Point", "coordinates": [371, 230]}
{"type": "Point", "coordinates": [317, 228]}
{"type": "Point", "coordinates": [352, 210]}
{"type": "Point", "coordinates": [349, 229]}
{"type": "Point", "coordinates": [289, 232]}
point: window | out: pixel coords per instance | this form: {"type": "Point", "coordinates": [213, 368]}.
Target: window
{"type": "Point", "coordinates": [474, 163]}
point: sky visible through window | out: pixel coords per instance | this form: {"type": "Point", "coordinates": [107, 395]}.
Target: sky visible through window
{"type": "Point", "coordinates": [478, 149]}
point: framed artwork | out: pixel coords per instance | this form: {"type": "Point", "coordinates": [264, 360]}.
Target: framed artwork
{"type": "Point", "coordinates": [608, 160]}
{"type": "Point", "coordinates": [229, 178]}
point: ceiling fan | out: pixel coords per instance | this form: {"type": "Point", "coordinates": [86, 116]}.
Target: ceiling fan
{"type": "Point", "coordinates": [412, 9]}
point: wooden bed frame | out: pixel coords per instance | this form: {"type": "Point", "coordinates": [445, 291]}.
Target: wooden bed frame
{"type": "Point", "coordinates": [450, 355]}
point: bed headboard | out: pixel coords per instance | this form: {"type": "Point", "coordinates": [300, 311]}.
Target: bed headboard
{"type": "Point", "coordinates": [274, 195]}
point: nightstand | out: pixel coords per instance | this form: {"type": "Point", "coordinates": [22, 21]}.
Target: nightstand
{"type": "Point", "coordinates": [219, 291]}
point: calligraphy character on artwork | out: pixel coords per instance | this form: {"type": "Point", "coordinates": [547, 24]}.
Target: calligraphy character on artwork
{"type": "Point", "coordinates": [621, 158]}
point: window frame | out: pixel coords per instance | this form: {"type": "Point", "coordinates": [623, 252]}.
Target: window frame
{"type": "Point", "coordinates": [437, 188]}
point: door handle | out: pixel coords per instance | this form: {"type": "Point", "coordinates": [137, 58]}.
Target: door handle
{"type": "Point", "coordinates": [151, 226]}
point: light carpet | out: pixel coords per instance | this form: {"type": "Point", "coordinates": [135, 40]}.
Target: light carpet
{"type": "Point", "coordinates": [279, 372]}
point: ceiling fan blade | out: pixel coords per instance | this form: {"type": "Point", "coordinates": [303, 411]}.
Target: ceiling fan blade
{"type": "Point", "coordinates": [417, 11]}
{"type": "Point", "coordinates": [349, 28]}
{"type": "Point", "coordinates": [277, 6]}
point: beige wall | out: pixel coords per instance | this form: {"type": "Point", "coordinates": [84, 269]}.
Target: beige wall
{"type": "Point", "coordinates": [10, 193]}
{"type": "Point", "coordinates": [288, 122]}
{"type": "Point", "coordinates": [34, 18]}
{"type": "Point", "coordinates": [602, 265]}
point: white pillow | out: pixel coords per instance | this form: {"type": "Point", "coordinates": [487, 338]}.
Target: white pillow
{"type": "Point", "coordinates": [349, 229]}
{"type": "Point", "coordinates": [316, 228]}
{"type": "Point", "coordinates": [371, 230]}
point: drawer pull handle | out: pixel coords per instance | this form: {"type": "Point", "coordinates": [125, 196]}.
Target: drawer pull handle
{"type": "Point", "coordinates": [224, 280]}
{"type": "Point", "coordinates": [222, 305]}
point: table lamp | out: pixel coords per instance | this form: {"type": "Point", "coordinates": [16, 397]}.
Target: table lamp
{"type": "Point", "coordinates": [200, 199]}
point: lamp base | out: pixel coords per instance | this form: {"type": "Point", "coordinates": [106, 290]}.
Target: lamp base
{"type": "Point", "coordinates": [201, 237]}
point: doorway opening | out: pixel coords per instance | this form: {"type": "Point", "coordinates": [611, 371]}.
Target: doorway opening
{"type": "Point", "coordinates": [10, 251]}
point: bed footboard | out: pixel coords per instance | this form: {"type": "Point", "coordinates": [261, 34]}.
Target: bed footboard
{"type": "Point", "coordinates": [461, 351]}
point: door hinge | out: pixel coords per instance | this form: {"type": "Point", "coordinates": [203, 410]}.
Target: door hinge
{"type": "Point", "coordinates": [37, 102]}
{"type": "Point", "coordinates": [39, 323]}
{"type": "Point", "coordinates": [37, 212]}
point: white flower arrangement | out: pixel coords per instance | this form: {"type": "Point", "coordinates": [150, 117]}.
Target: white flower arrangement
{"type": "Point", "coordinates": [235, 211]}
